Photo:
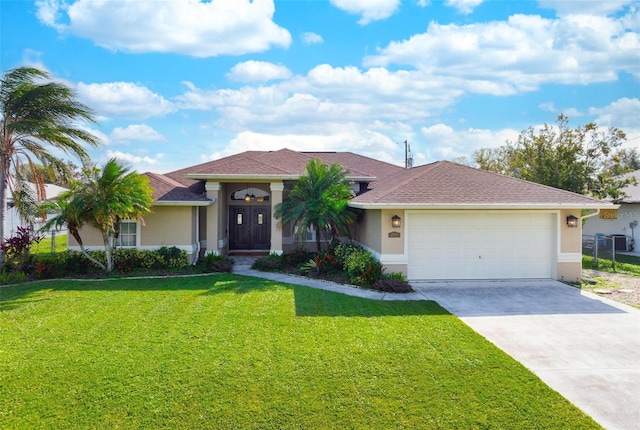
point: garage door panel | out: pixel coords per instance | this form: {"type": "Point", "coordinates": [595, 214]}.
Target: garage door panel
{"type": "Point", "coordinates": [480, 246]}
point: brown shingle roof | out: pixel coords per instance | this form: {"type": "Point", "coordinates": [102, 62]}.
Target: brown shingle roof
{"type": "Point", "coordinates": [438, 184]}
{"type": "Point", "coordinates": [449, 184]}
{"type": "Point", "coordinates": [166, 189]}
{"type": "Point", "coordinates": [286, 163]}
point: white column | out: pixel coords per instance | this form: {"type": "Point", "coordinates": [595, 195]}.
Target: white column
{"type": "Point", "coordinates": [276, 227]}
{"type": "Point", "coordinates": [212, 189]}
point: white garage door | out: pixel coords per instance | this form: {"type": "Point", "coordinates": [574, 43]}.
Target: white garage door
{"type": "Point", "coordinates": [507, 245]}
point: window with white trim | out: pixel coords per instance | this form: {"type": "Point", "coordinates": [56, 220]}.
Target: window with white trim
{"type": "Point", "coordinates": [128, 234]}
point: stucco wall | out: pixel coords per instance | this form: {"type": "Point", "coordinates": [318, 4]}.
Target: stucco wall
{"type": "Point", "coordinates": [569, 264]}
{"type": "Point", "coordinates": [570, 238]}
{"type": "Point", "coordinates": [569, 271]}
{"type": "Point", "coordinates": [167, 226]}
{"type": "Point", "coordinates": [91, 238]}
{"type": "Point", "coordinates": [369, 232]}
{"type": "Point", "coordinates": [391, 242]}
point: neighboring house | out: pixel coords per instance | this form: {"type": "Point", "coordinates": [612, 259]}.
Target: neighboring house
{"type": "Point", "coordinates": [437, 221]}
{"type": "Point", "coordinates": [621, 221]}
{"type": "Point", "coordinates": [13, 218]}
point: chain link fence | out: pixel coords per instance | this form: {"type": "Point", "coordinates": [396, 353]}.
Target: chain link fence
{"type": "Point", "coordinates": [605, 247]}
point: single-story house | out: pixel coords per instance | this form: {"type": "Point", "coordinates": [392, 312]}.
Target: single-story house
{"type": "Point", "coordinates": [437, 221]}
{"type": "Point", "coordinates": [621, 221]}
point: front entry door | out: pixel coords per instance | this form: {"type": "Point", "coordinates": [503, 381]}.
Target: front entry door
{"type": "Point", "coordinates": [250, 227]}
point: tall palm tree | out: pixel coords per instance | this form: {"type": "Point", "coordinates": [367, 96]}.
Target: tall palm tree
{"type": "Point", "coordinates": [37, 116]}
{"type": "Point", "coordinates": [318, 201]}
{"type": "Point", "coordinates": [106, 197]}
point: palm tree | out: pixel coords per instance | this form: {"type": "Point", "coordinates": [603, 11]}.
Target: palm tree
{"type": "Point", "coordinates": [318, 201]}
{"type": "Point", "coordinates": [106, 197]}
{"type": "Point", "coordinates": [37, 115]}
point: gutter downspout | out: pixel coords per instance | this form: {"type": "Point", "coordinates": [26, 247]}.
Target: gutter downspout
{"type": "Point", "coordinates": [597, 212]}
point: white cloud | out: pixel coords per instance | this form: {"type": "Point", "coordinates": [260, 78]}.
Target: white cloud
{"type": "Point", "coordinates": [49, 12]}
{"type": "Point", "coordinates": [547, 107]}
{"type": "Point", "coordinates": [464, 6]}
{"type": "Point", "coordinates": [188, 27]}
{"type": "Point", "coordinates": [565, 7]}
{"type": "Point", "coordinates": [258, 71]}
{"type": "Point", "coordinates": [369, 10]}
{"type": "Point", "coordinates": [135, 161]}
{"type": "Point", "coordinates": [445, 143]}
{"type": "Point", "coordinates": [136, 133]}
{"type": "Point", "coordinates": [123, 100]}
{"type": "Point", "coordinates": [326, 95]}
{"type": "Point", "coordinates": [522, 53]}
{"type": "Point", "coordinates": [311, 38]}
{"type": "Point", "coordinates": [367, 142]}
{"type": "Point", "coordinates": [622, 113]}
{"type": "Point", "coordinates": [423, 3]}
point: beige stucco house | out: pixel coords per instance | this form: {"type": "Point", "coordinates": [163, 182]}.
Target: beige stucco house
{"type": "Point", "coordinates": [437, 221]}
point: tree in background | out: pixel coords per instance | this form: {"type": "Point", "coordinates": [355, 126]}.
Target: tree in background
{"type": "Point", "coordinates": [318, 201]}
{"type": "Point", "coordinates": [51, 176]}
{"type": "Point", "coordinates": [37, 116]}
{"type": "Point", "coordinates": [106, 197]}
{"type": "Point", "coordinates": [584, 160]}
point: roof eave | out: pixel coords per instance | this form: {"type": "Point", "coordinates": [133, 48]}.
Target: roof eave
{"type": "Point", "coordinates": [239, 177]}
{"type": "Point", "coordinates": [262, 178]}
{"type": "Point", "coordinates": [183, 203]}
{"type": "Point", "coordinates": [497, 206]}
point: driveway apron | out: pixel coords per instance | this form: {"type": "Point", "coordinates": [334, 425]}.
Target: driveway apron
{"type": "Point", "coordinates": [585, 347]}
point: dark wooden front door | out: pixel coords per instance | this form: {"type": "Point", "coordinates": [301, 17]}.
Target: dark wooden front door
{"type": "Point", "coordinates": [249, 227]}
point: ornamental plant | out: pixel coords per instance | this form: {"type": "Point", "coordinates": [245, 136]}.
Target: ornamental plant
{"type": "Point", "coordinates": [17, 249]}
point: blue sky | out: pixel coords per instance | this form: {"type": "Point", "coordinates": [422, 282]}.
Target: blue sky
{"type": "Point", "coordinates": [177, 83]}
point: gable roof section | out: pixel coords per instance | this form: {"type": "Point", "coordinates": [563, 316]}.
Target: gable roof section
{"type": "Point", "coordinates": [449, 185]}
{"type": "Point", "coordinates": [169, 192]}
{"type": "Point", "coordinates": [284, 164]}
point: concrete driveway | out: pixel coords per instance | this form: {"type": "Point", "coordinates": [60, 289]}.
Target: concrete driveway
{"type": "Point", "coordinates": [585, 347]}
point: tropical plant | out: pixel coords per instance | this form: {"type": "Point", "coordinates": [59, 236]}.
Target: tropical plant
{"type": "Point", "coordinates": [108, 196]}
{"type": "Point", "coordinates": [318, 201]}
{"type": "Point", "coordinates": [37, 115]}
{"type": "Point", "coordinates": [17, 249]}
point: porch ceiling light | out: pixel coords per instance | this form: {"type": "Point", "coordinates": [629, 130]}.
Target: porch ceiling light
{"type": "Point", "coordinates": [572, 221]}
{"type": "Point", "coordinates": [395, 221]}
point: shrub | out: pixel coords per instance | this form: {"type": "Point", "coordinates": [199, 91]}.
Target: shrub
{"type": "Point", "coordinates": [125, 260]}
{"type": "Point", "coordinates": [362, 268]}
{"type": "Point", "coordinates": [399, 276]}
{"type": "Point", "coordinates": [173, 257]}
{"type": "Point", "coordinates": [296, 257]}
{"type": "Point", "coordinates": [392, 286]}
{"type": "Point", "coordinates": [268, 263]}
{"type": "Point", "coordinates": [343, 250]}
{"type": "Point", "coordinates": [51, 266]}
{"type": "Point", "coordinates": [17, 250]}
{"type": "Point", "coordinates": [213, 262]}
{"type": "Point", "coordinates": [7, 278]}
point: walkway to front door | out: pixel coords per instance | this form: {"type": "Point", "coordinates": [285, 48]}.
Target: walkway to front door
{"type": "Point", "coordinates": [249, 227]}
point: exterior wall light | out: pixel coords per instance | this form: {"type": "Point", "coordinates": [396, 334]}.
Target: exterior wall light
{"type": "Point", "coordinates": [572, 221]}
{"type": "Point", "coordinates": [395, 221]}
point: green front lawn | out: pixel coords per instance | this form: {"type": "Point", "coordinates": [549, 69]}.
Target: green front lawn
{"type": "Point", "coordinates": [44, 246]}
{"type": "Point", "coordinates": [225, 351]}
{"type": "Point", "coordinates": [627, 264]}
